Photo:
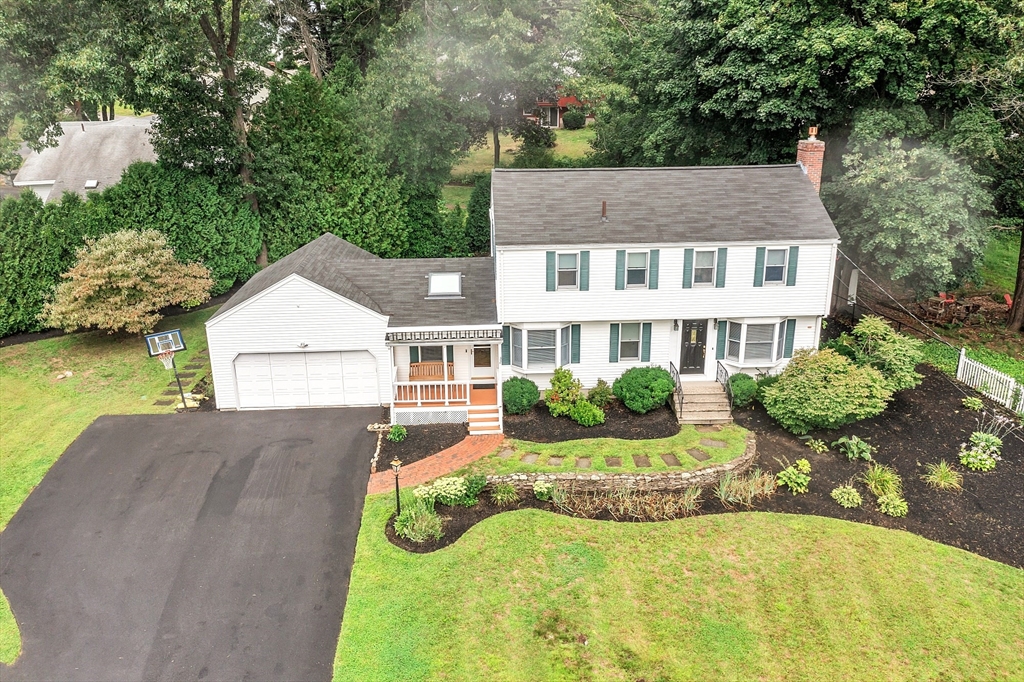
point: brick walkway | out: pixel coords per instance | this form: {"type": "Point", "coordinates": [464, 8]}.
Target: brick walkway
{"type": "Point", "coordinates": [457, 456]}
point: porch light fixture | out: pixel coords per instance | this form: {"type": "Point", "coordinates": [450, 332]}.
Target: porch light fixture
{"type": "Point", "coordinates": [303, 345]}
{"type": "Point", "coordinates": [715, 324]}
{"type": "Point", "coordinates": [675, 325]}
{"type": "Point", "coordinates": [396, 466]}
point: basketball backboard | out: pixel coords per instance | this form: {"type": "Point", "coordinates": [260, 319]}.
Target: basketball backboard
{"type": "Point", "coordinates": [161, 342]}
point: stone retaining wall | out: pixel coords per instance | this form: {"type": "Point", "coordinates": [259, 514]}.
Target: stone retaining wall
{"type": "Point", "coordinates": [655, 480]}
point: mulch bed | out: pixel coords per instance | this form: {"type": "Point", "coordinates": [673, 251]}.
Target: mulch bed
{"type": "Point", "coordinates": [539, 426]}
{"type": "Point", "coordinates": [422, 442]}
{"type": "Point", "coordinates": [920, 426]}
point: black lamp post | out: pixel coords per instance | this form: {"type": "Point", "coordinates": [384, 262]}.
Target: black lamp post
{"type": "Point", "coordinates": [396, 465]}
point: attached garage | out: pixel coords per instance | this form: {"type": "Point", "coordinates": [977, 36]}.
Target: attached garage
{"type": "Point", "coordinates": [306, 379]}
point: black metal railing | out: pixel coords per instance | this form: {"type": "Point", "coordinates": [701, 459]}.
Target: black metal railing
{"type": "Point", "coordinates": [674, 371]}
{"type": "Point", "coordinates": [722, 377]}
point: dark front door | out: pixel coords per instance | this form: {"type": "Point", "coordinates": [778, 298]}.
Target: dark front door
{"type": "Point", "coordinates": [691, 355]}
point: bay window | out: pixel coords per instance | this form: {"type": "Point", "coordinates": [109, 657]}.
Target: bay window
{"type": "Point", "coordinates": [754, 344]}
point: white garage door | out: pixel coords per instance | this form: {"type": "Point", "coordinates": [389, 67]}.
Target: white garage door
{"type": "Point", "coordinates": [306, 379]}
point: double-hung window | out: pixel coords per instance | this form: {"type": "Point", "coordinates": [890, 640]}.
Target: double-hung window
{"type": "Point", "coordinates": [517, 347]}
{"type": "Point", "coordinates": [775, 266]}
{"type": "Point", "coordinates": [636, 269]}
{"type": "Point", "coordinates": [568, 270]}
{"type": "Point", "coordinates": [703, 267]}
{"type": "Point", "coordinates": [758, 347]}
{"type": "Point", "coordinates": [566, 347]}
{"type": "Point", "coordinates": [629, 341]}
{"type": "Point", "coordinates": [541, 348]}
{"type": "Point", "coordinates": [732, 351]}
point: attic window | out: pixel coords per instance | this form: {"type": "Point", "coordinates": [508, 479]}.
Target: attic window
{"type": "Point", "coordinates": [92, 184]}
{"type": "Point", "coordinates": [444, 284]}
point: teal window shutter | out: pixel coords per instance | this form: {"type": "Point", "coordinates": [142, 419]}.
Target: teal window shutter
{"type": "Point", "coordinates": [723, 328]}
{"type": "Point", "coordinates": [551, 270]}
{"type": "Point", "coordinates": [720, 268]}
{"type": "Point", "coordinates": [652, 269]}
{"type": "Point", "coordinates": [451, 354]}
{"type": "Point", "coordinates": [613, 343]}
{"type": "Point", "coordinates": [688, 268]}
{"type": "Point", "coordinates": [645, 342]}
{"type": "Point", "coordinates": [759, 267]}
{"type": "Point", "coordinates": [575, 350]}
{"type": "Point", "coordinates": [584, 271]}
{"type": "Point", "coordinates": [414, 353]}
{"type": "Point", "coordinates": [506, 346]}
{"type": "Point", "coordinates": [794, 254]}
{"type": "Point", "coordinates": [620, 272]}
{"type": "Point", "coordinates": [787, 351]}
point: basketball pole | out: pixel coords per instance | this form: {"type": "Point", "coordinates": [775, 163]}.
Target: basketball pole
{"type": "Point", "coordinates": [174, 366]}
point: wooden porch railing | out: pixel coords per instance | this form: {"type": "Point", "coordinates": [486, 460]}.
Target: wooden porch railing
{"type": "Point", "coordinates": [430, 371]}
{"type": "Point", "coordinates": [431, 393]}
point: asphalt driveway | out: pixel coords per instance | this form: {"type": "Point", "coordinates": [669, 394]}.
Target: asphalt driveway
{"type": "Point", "coordinates": [207, 546]}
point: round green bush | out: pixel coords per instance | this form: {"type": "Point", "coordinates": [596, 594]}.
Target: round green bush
{"type": "Point", "coordinates": [519, 395]}
{"type": "Point", "coordinates": [574, 119]}
{"type": "Point", "coordinates": [743, 388]}
{"type": "Point", "coordinates": [824, 390]}
{"type": "Point", "coordinates": [586, 413]}
{"type": "Point", "coordinates": [763, 383]}
{"type": "Point", "coordinates": [601, 394]}
{"type": "Point", "coordinates": [643, 389]}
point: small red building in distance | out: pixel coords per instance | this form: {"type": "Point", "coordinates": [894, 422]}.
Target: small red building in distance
{"type": "Point", "coordinates": [548, 111]}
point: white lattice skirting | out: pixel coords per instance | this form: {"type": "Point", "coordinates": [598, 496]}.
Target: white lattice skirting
{"type": "Point", "coordinates": [407, 417]}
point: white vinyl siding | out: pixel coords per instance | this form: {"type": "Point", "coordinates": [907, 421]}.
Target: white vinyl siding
{"type": "Point", "coordinates": [522, 297]}
{"type": "Point", "coordinates": [294, 317]}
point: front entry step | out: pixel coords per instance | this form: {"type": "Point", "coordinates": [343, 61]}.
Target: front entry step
{"type": "Point", "coordinates": [484, 420]}
{"type": "Point", "coordinates": [704, 402]}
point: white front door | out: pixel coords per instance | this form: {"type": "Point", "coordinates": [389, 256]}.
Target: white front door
{"type": "Point", "coordinates": [483, 362]}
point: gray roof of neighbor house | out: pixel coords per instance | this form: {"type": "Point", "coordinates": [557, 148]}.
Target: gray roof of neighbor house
{"type": "Point", "coordinates": [89, 150]}
{"type": "Point", "coordinates": [396, 287]}
{"type": "Point", "coordinates": [656, 205]}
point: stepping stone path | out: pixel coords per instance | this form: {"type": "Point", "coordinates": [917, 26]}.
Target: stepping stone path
{"type": "Point", "coordinates": [708, 443]}
{"type": "Point", "coordinates": [709, 428]}
{"type": "Point", "coordinates": [171, 391]}
{"type": "Point", "coordinates": [506, 453]}
{"type": "Point", "coordinates": [670, 460]}
{"type": "Point", "coordinates": [530, 458]}
{"type": "Point", "coordinates": [698, 454]}
{"type": "Point", "coordinates": [194, 367]}
{"type": "Point", "coordinates": [641, 461]}
{"type": "Point", "coordinates": [582, 462]}
{"type": "Point", "coordinates": [613, 461]}
{"type": "Point", "coordinates": [554, 461]}
{"type": "Point", "coordinates": [164, 403]}
{"type": "Point", "coordinates": [187, 375]}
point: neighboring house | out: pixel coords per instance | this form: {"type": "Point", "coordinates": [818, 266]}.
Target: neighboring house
{"type": "Point", "coordinates": [90, 156]}
{"type": "Point", "coordinates": [700, 270]}
{"type": "Point", "coordinates": [548, 111]}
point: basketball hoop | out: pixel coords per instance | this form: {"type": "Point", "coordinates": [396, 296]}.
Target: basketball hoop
{"type": "Point", "coordinates": [167, 357]}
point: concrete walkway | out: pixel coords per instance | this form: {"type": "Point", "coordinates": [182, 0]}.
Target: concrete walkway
{"type": "Point", "coordinates": [469, 450]}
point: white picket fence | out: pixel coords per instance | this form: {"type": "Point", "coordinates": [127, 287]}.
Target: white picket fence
{"type": "Point", "coordinates": [1000, 387]}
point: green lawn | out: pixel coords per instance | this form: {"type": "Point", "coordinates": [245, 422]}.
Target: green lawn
{"type": "Point", "coordinates": [531, 595]}
{"type": "Point", "coordinates": [573, 144]}
{"type": "Point", "coordinates": [456, 195]}
{"type": "Point", "coordinates": [41, 415]}
{"type": "Point", "coordinates": [599, 448]}
{"type": "Point", "coordinates": [999, 269]}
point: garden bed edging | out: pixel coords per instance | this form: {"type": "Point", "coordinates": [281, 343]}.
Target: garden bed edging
{"type": "Point", "coordinates": [656, 480]}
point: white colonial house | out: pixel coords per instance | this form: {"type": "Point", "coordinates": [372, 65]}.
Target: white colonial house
{"type": "Point", "coordinates": [705, 271]}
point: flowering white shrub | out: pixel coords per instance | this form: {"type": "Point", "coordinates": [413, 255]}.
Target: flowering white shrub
{"type": "Point", "coordinates": [543, 490]}
{"type": "Point", "coordinates": [449, 490]}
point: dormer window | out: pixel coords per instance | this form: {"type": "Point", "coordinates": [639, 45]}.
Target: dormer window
{"type": "Point", "coordinates": [444, 285]}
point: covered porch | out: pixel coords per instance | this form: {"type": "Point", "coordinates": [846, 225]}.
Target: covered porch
{"type": "Point", "coordinates": [447, 377]}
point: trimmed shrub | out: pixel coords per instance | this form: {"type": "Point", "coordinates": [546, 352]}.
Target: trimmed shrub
{"type": "Point", "coordinates": [601, 394]}
{"type": "Point", "coordinates": [565, 392]}
{"type": "Point", "coordinates": [418, 522]}
{"type": "Point", "coordinates": [585, 413]}
{"type": "Point", "coordinates": [519, 395]}
{"type": "Point", "coordinates": [763, 383]}
{"type": "Point", "coordinates": [450, 491]}
{"type": "Point", "coordinates": [121, 281]}
{"type": "Point", "coordinates": [891, 353]}
{"type": "Point", "coordinates": [643, 389]}
{"type": "Point", "coordinates": [824, 390]}
{"type": "Point", "coordinates": [743, 388]}
{"type": "Point", "coordinates": [474, 486]}
{"type": "Point", "coordinates": [574, 118]}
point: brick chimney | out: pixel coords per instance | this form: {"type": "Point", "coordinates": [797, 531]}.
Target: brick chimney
{"type": "Point", "coordinates": [810, 154]}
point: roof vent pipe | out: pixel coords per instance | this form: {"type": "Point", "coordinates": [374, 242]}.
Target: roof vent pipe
{"type": "Point", "coordinates": [604, 211]}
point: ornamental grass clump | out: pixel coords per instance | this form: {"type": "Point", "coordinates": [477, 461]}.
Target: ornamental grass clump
{"type": "Point", "coordinates": [418, 522]}
{"type": "Point", "coordinates": [942, 476]}
{"type": "Point", "coordinates": [824, 390]}
{"type": "Point", "coordinates": [504, 494]}
{"type": "Point", "coordinates": [887, 487]}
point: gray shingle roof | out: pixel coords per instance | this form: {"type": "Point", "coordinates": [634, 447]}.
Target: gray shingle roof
{"type": "Point", "coordinates": [656, 205]}
{"type": "Point", "coordinates": [396, 287]}
{"type": "Point", "coordinates": [90, 150]}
